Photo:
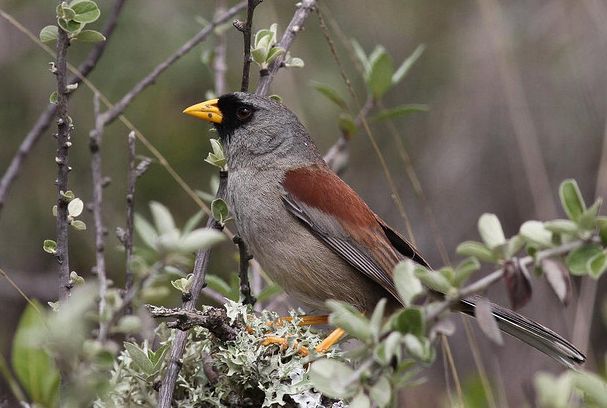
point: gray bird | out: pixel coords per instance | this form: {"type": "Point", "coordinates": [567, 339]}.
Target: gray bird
{"type": "Point", "coordinates": [310, 231]}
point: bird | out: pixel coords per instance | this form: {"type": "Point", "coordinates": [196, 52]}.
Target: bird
{"type": "Point", "coordinates": [311, 232]}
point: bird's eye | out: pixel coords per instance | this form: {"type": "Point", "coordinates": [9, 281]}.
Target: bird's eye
{"type": "Point", "coordinates": [243, 113]}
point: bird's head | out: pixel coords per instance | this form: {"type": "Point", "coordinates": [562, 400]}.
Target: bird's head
{"type": "Point", "coordinates": [255, 129]}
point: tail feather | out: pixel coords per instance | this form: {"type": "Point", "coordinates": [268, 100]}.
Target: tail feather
{"type": "Point", "coordinates": [532, 333]}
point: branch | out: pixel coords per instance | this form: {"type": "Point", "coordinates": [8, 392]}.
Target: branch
{"type": "Point", "coordinates": [98, 185]}
{"type": "Point", "coordinates": [294, 27]}
{"type": "Point", "coordinates": [246, 29]}
{"type": "Point", "coordinates": [214, 319]}
{"type": "Point", "coordinates": [219, 60]}
{"type": "Point", "coordinates": [44, 120]}
{"type": "Point", "coordinates": [243, 272]}
{"type": "Point", "coordinates": [109, 116]}
{"type": "Point", "coordinates": [130, 210]}
{"type": "Point", "coordinates": [62, 160]}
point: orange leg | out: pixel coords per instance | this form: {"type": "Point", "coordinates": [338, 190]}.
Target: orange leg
{"type": "Point", "coordinates": [305, 320]}
{"type": "Point", "coordinates": [330, 340]}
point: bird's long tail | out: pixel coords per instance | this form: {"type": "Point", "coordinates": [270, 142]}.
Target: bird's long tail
{"type": "Point", "coordinates": [532, 333]}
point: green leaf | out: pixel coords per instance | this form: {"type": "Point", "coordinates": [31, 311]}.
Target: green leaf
{"type": "Point", "coordinates": [53, 97]}
{"type": "Point", "coordinates": [333, 378]}
{"type": "Point", "coordinates": [49, 34]}
{"type": "Point", "coordinates": [535, 233]}
{"type": "Point", "coordinates": [592, 386]}
{"type": "Point", "coordinates": [490, 230]}
{"type": "Point", "coordinates": [398, 111]}
{"type": "Point", "coordinates": [145, 231]}
{"type": "Point", "coordinates": [588, 218]}
{"type": "Point", "coordinates": [259, 55]}
{"type": "Point", "coordinates": [465, 268]}
{"type": "Point", "coordinates": [49, 246]}
{"type": "Point", "coordinates": [128, 324]}
{"type": "Point", "coordinates": [553, 392]}
{"type": "Point", "coordinates": [201, 238]}
{"type": "Point", "coordinates": [274, 53]}
{"type": "Point", "coordinates": [513, 246]}
{"type": "Point", "coordinates": [10, 379]}
{"type": "Point", "coordinates": [597, 265]}
{"type": "Point", "coordinates": [571, 199]}
{"type": "Point", "coordinates": [32, 365]}
{"type": "Point", "coordinates": [602, 225]}
{"type": "Point", "coordinates": [377, 317]}
{"type": "Point", "coordinates": [183, 284]}
{"type": "Point", "coordinates": [410, 320]}
{"type": "Point", "coordinates": [407, 284]}
{"type": "Point", "coordinates": [140, 358]}
{"type": "Point", "coordinates": [577, 260]}
{"type": "Point", "coordinates": [86, 11]}
{"type": "Point", "coordinates": [269, 292]}
{"type": "Point", "coordinates": [379, 79]}
{"type": "Point", "coordinates": [90, 36]}
{"type": "Point", "coordinates": [562, 227]}
{"type": "Point", "coordinates": [345, 316]}
{"type": "Point", "coordinates": [477, 250]}
{"type": "Point", "coordinates": [361, 55]}
{"type": "Point", "coordinates": [220, 211]}
{"type": "Point", "coordinates": [219, 285]}
{"type": "Point", "coordinates": [63, 11]}
{"type": "Point", "coordinates": [405, 67]}
{"type": "Point", "coordinates": [433, 280]}
{"type": "Point", "coordinates": [75, 207]}
{"type": "Point", "coordinates": [70, 26]}
{"type": "Point", "coordinates": [294, 62]}
{"type": "Point", "coordinates": [381, 392]}
{"type": "Point", "coordinates": [346, 124]}
{"type": "Point", "coordinates": [330, 94]}
{"type": "Point", "coordinates": [162, 218]}
{"type": "Point", "coordinates": [76, 279]}
{"type": "Point", "coordinates": [388, 349]}
{"type": "Point", "coordinates": [360, 401]}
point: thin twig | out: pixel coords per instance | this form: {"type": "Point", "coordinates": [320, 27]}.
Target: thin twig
{"type": "Point", "coordinates": [213, 319]}
{"type": "Point", "coordinates": [95, 138]}
{"type": "Point", "coordinates": [63, 168]}
{"type": "Point", "coordinates": [243, 272]}
{"type": "Point", "coordinates": [119, 107]}
{"type": "Point", "coordinates": [45, 118]}
{"type": "Point", "coordinates": [246, 30]}
{"type": "Point", "coordinates": [294, 27]}
{"type": "Point", "coordinates": [130, 210]}
{"type": "Point", "coordinates": [219, 60]}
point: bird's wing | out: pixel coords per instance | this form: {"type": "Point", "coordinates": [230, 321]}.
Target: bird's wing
{"type": "Point", "coordinates": [341, 220]}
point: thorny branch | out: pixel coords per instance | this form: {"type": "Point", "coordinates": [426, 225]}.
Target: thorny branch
{"type": "Point", "coordinates": [213, 319]}
{"type": "Point", "coordinates": [98, 184]}
{"type": "Point", "coordinates": [47, 116]}
{"type": "Point", "coordinates": [246, 29]}
{"type": "Point", "coordinates": [294, 27]}
{"type": "Point", "coordinates": [119, 107]}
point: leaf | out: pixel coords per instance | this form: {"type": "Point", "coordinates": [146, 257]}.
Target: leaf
{"type": "Point", "coordinates": [140, 358]}
{"type": "Point", "coordinates": [219, 285]}
{"type": "Point", "coordinates": [553, 392]}
{"type": "Point", "coordinates": [577, 260]}
{"type": "Point", "coordinates": [379, 79]}
{"type": "Point", "coordinates": [407, 284]}
{"type": "Point", "coordinates": [201, 238]}
{"type": "Point", "coordinates": [558, 277]}
{"type": "Point", "coordinates": [49, 246]}
{"type": "Point", "coordinates": [65, 12]}
{"type": "Point", "coordinates": [477, 250]}
{"type": "Point", "coordinates": [346, 317]}
{"type": "Point", "coordinates": [597, 265]}
{"type": "Point", "coordinates": [274, 53]}
{"type": "Point", "coordinates": [517, 283]}
{"type": "Point", "coordinates": [410, 320]}
{"type": "Point", "coordinates": [145, 231]}
{"type": "Point", "coordinates": [259, 55]}
{"type": "Point", "coordinates": [377, 317]}
{"type": "Point", "coordinates": [602, 226]}
{"type": "Point", "coordinates": [193, 221]}
{"type": "Point", "coordinates": [433, 280]}
{"type": "Point", "coordinates": [360, 401]}
{"type": "Point", "coordinates": [405, 67]}
{"type": "Point", "coordinates": [75, 207]}
{"type": "Point", "coordinates": [333, 378]}
{"type": "Point", "coordinates": [346, 124]}
{"type": "Point", "coordinates": [381, 392]}
{"type": "Point", "coordinates": [486, 321]}
{"type": "Point", "coordinates": [53, 97]}
{"type": "Point", "coordinates": [70, 26]}
{"type": "Point", "coordinates": [588, 218]}
{"type": "Point", "coordinates": [361, 55]}
{"type": "Point", "coordinates": [32, 365]}
{"type": "Point", "coordinates": [398, 111]}
{"type": "Point", "coordinates": [294, 62]}
{"type": "Point", "coordinates": [79, 225]}
{"type": "Point", "coordinates": [49, 34]}
{"type": "Point", "coordinates": [269, 292]}
{"type": "Point", "coordinates": [535, 233]}
{"type": "Point", "coordinates": [562, 226]}
{"type": "Point", "coordinates": [220, 211]}
{"type": "Point", "coordinates": [162, 218]}
{"type": "Point", "coordinates": [90, 36]}
{"type": "Point", "coordinates": [571, 199]}
{"type": "Point", "coordinates": [76, 279]}
{"type": "Point", "coordinates": [330, 94]}
{"type": "Point", "coordinates": [464, 269]}
{"type": "Point", "coordinates": [183, 284]}
{"type": "Point", "coordinates": [490, 230]}
{"type": "Point", "coordinates": [592, 386]}
{"type": "Point", "coordinates": [86, 11]}
{"type": "Point", "coordinates": [128, 324]}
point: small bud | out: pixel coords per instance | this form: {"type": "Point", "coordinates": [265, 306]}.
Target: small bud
{"type": "Point", "coordinates": [60, 121]}
{"type": "Point", "coordinates": [58, 160]}
{"type": "Point", "coordinates": [68, 144]}
{"type": "Point", "coordinates": [69, 168]}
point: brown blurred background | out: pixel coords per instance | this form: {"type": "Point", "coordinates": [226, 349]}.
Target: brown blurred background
{"type": "Point", "coordinates": [516, 91]}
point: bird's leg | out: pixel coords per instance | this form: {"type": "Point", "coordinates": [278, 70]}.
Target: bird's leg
{"type": "Point", "coordinates": [306, 320]}
{"type": "Point", "coordinates": [330, 340]}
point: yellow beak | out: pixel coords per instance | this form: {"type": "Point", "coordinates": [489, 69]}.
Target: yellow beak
{"type": "Point", "coordinates": [206, 110]}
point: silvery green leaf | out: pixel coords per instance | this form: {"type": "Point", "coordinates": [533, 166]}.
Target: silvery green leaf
{"type": "Point", "coordinates": [345, 316]}
{"type": "Point", "coordinates": [170, 242]}
{"type": "Point", "coordinates": [513, 246]}
{"type": "Point", "coordinates": [562, 226]}
{"type": "Point", "coordinates": [162, 218]}
{"type": "Point", "coordinates": [407, 284]}
{"type": "Point", "coordinates": [49, 246]}
{"type": "Point", "coordinates": [332, 378]}
{"type": "Point", "coordinates": [217, 148]}
{"type": "Point", "coordinates": [331, 94]}
{"type": "Point", "coordinates": [398, 111]}
{"type": "Point", "coordinates": [558, 277]}
{"type": "Point", "coordinates": [294, 62]}
{"type": "Point", "coordinates": [274, 53]}
{"type": "Point", "coordinates": [145, 231]}
{"type": "Point", "coordinates": [183, 284]}
{"type": "Point", "coordinates": [346, 124]}
{"type": "Point", "coordinates": [361, 55]}
{"type": "Point", "coordinates": [388, 348]}
{"type": "Point", "coordinates": [432, 280]}
{"type": "Point", "coordinates": [54, 210]}
{"type": "Point", "coordinates": [79, 225]}
{"type": "Point", "coordinates": [49, 34]}
{"type": "Point", "coordinates": [193, 221]}
{"type": "Point", "coordinates": [220, 210]}
{"type": "Point", "coordinates": [571, 199]}
{"type": "Point", "coordinates": [593, 387]}
{"type": "Point", "coordinates": [409, 321]}
{"type": "Point", "coordinates": [602, 226]}
{"type": "Point", "coordinates": [407, 64]}
{"type": "Point", "coordinates": [588, 218]}
{"type": "Point", "coordinates": [64, 11]}
{"type": "Point", "coordinates": [259, 55]}
{"type": "Point", "coordinates": [381, 392]}
{"type": "Point", "coordinates": [219, 285]}
{"type": "Point", "coordinates": [486, 321]}
{"type": "Point", "coordinates": [140, 358]}
{"type": "Point", "coordinates": [361, 400]}
{"type": "Point", "coordinates": [490, 230]}
{"type": "Point", "coordinates": [577, 260]}
{"type": "Point", "coordinates": [379, 79]}
{"type": "Point", "coordinates": [76, 279]}
{"type": "Point", "coordinates": [534, 232]}
{"type": "Point", "coordinates": [377, 317]}
{"type": "Point", "coordinates": [464, 269]}
{"type": "Point", "coordinates": [70, 26]}
{"type": "Point", "coordinates": [274, 31]}
{"type": "Point", "coordinates": [86, 11]}
{"type": "Point", "coordinates": [128, 324]}
{"type": "Point", "coordinates": [551, 391]}
{"type": "Point", "coordinates": [597, 265]}
{"type": "Point", "coordinates": [75, 207]}
{"type": "Point", "coordinates": [201, 238]}
{"type": "Point", "coordinates": [68, 195]}
{"type": "Point", "coordinates": [477, 250]}
{"type": "Point", "coordinates": [90, 36]}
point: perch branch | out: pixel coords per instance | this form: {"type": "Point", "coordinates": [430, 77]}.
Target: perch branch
{"type": "Point", "coordinates": [119, 107]}
{"type": "Point", "coordinates": [130, 210]}
{"type": "Point", "coordinates": [294, 27]}
{"type": "Point", "coordinates": [243, 272]}
{"type": "Point", "coordinates": [219, 61]}
{"type": "Point", "coordinates": [246, 30]}
{"type": "Point", "coordinates": [45, 118]}
{"type": "Point", "coordinates": [98, 183]}
{"type": "Point", "coordinates": [213, 319]}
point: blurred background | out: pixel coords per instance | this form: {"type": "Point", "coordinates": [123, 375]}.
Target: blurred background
{"type": "Point", "coordinates": [516, 92]}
